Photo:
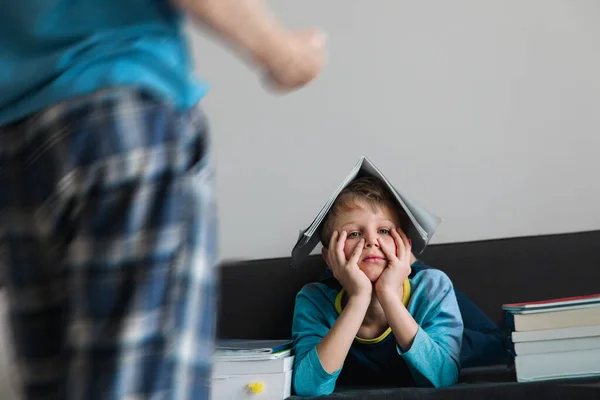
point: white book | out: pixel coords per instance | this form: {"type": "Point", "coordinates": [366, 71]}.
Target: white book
{"type": "Point", "coordinates": [223, 368]}
{"type": "Point", "coordinates": [585, 315]}
{"type": "Point", "coordinates": [247, 380]}
{"type": "Point", "coordinates": [562, 333]}
{"type": "Point", "coordinates": [245, 356]}
{"type": "Point", "coordinates": [557, 345]}
{"type": "Point", "coordinates": [570, 364]}
{"type": "Point", "coordinates": [251, 346]}
{"type": "Point", "coordinates": [422, 223]}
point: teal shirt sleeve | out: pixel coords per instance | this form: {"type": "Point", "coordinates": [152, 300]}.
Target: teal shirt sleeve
{"type": "Point", "coordinates": [309, 326]}
{"type": "Point", "coordinates": [434, 357]}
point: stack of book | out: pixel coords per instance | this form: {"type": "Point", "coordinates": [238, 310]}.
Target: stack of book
{"type": "Point", "coordinates": [248, 369]}
{"type": "Point", "coordinates": [556, 339]}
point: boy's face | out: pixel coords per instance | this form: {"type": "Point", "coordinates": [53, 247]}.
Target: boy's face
{"type": "Point", "coordinates": [374, 225]}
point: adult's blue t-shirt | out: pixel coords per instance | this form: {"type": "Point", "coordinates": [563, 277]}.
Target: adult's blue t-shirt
{"type": "Point", "coordinates": [53, 50]}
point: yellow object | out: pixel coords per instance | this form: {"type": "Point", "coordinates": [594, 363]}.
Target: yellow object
{"type": "Point", "coordinates": [256, 387]}
{"type": "Point", "coordinates": [405, 300]}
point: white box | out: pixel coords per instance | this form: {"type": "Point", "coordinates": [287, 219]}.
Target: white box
{"type": "Point", "coordinates": [256, 379]}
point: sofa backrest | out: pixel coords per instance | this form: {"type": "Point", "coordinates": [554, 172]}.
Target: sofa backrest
{"type": "Point", "coordinates": [256, 298]}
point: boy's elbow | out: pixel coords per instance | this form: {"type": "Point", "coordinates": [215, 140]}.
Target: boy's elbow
{"type": "Point", "coordinates": [446, 381]}
{"type": "Point", "coordinates": [306, 390]}
{"type": "Point", "coordinates": [304, 383]}
{"type": "Point", "coordinates": [448, 376]}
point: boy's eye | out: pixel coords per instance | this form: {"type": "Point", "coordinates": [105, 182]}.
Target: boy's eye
{"type": "Point", "coordinates": [384, 231]}
{"type": "Point", "coordinates": [354, 234]}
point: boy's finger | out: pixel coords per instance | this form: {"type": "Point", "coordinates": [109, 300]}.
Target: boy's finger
{"type": "Point", "coordinates": [400, 246]}
{"type": "Point", "coordinates": [332, 241]}
{"type": "Point", "coordinates": [405, 240]}
{"type": "Point", "coordinates": [339, 248]}
{"type": "Point", "coordinates": [357, 251]}
{"type": "Point", "coordinates": [332, 246]}
{"type": "Point", "coordinates": [388, 253]}
{"type": "Point", "coordinates": [333, 237]}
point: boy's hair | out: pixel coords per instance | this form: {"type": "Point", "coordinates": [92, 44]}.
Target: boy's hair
{"type": "Point", "coordinates": [367, 189]}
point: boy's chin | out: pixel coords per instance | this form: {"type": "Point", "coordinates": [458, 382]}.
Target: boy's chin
{"type": "Point", "coordinates": [372, 272]}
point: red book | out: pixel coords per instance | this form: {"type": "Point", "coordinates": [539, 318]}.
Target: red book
{"type": "Point", "coordinates": [553, 303]}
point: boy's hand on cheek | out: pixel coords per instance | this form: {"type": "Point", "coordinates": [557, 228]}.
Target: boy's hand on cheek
{"type": "Point", "coordinates": [398, 268]}
{"type": "Point", "coordinates": [346, 271]}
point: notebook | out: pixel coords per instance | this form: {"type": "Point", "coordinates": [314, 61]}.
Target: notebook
{"type": "Point", "coordinates": [422, 223]}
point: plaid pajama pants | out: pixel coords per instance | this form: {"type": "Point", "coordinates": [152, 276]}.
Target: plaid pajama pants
{"type": "Point", "coordinates": [108, 248]}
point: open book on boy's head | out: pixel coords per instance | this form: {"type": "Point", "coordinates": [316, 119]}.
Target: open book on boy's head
{"type": "Point", "coordinates": [420, 226]}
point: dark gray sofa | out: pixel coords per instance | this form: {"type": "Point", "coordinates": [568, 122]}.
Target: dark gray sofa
{"type": "Point", "coordinates": [257, 299]}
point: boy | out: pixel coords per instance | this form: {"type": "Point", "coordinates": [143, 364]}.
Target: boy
{"type": "Point", "coordinates": [373, 325]}
{"type": "Point", "coordinates": [107, 210]}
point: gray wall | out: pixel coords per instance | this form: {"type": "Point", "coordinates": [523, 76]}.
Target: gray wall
{"type": "Point", "coordinates": [486, 113]}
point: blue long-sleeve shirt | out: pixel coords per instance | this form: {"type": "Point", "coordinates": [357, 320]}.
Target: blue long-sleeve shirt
{"type": "Point", "coordinates": [432, 360]}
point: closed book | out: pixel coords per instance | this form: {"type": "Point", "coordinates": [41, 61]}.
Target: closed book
{"type": "Point", "coordinates": [223, 368]}
{"type": "Point", "coordinates": [561, 318]}
{"type": "Point", "coordinates": [420, 223]}
{"type": "Point", "coordinates": [557, 345]}
{"type": "Point", "coordinates": [570, 364]}
{"type": "Point", "coordinates": [552, 303]}
{"type": "Point", "coordinates": [562, 333]}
